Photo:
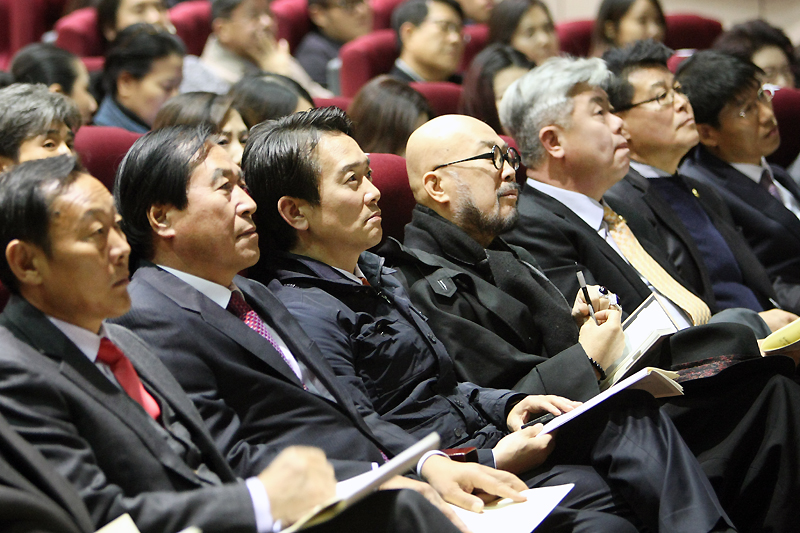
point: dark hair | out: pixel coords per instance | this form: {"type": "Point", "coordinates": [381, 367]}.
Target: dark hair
{"type": "Point", "coordinates": [156, 170]}
{"type": "Point", "coordinates": [477, 98]}
{"type": "Point", "coordinates": [623, 61]}
{"type": "Point", "coordinates": [27, 193]}
{"type": "Point", "coordinates": [45, 63]}
{"type": "Point", "coordinates": [107, 15]}
{"type": "Point", "coordinates": [745, 39]}
{"type": "Point", "coordinates": [222, 9]}
{"type": "Point", "coordinates": [613, 11]}
{"type": "Point", "coordinates": [415, 11]}
{"type": "Point", "coordinates": [193, 109]}
{"type": "Point", "coordinates": [135, 50]}
{"type": "Point", "coordinates": [266, 96]}
{"type": "Point", "coordinates": [711, 79]}
{"type": "Point", "coordinates": [506, 16]}
{"type": "Point", "coordinates": [279, 161]}
{"type": "Point", "coordinates": [385, 112]}
{"type": "Point", "coordinates": [29, 110]}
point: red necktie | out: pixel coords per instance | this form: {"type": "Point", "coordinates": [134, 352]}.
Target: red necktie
{"type": "Point", "coordinates": [123, 370]}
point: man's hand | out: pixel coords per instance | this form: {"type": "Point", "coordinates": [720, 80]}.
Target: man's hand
{"type": "Point", "coordinates": [462, 483]}
{"type": "Point", "coordinates": [523, 450]}
{"type": "Point", "coordinates": [777, 318]}
{"type": "Point", "coordinates": [400, 482]}
{"type": "Point", "coordinates": [273, 55]}
{"type": "Point", "coordinates": [297, 480]}
{"type": "Point", "coordinates": [603, 343]}
{"type": "Point", "coordinates": [600, 302]}
{"type": "Point", "coordinates": [532, 406]}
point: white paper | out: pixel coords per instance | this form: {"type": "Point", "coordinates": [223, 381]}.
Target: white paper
{"type": "Point", "coordinates": [506, 516]}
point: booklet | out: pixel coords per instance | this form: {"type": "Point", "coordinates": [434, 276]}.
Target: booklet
{"type": "Point", "coordinates": [645, 329]}
{"type": "Point", "coordinates": [515, 517]}
{"type": "Point", "coordinates": [786, 339]}
{"type": "Point", "coordinates": [660, 383]}
{"type": "Point", "coordinates": [354, 489]}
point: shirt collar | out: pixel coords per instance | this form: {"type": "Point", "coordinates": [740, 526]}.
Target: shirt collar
{"type": "Point", "coordinates": [753, 172]}
{"type": "Point", "coordinates": [648, 171]}
{"type": "Point", "coordinates": [355, 275]}
{"type": "Point", "coordinates": [214, 291]}
{"type": "Point", "coordinates": [588, 209]}
{"type": "Point", "coordinates": [403, 66]}
{"type": "Point", "coordinates": [87, 341]}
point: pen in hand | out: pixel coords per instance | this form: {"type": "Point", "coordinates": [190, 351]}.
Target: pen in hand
{"type": "Point", "coordinates": [582, 283]}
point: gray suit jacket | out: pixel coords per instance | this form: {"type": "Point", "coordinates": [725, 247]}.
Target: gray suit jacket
{"type": "Point", "coordinates": [102, 441]}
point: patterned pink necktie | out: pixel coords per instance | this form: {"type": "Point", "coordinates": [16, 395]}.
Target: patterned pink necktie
{"type": "Point", "coordinates": [239, 307]}
{"type": "Point", "coordinates": [109, 354]}
{"type": "Point", "coordinates": [769, 184]}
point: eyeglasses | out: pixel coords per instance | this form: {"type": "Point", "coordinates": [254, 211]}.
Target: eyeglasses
{"type": "Point", "coordinates": [347, 5]}
{"type": "Point", "coordinates": [446, 26]}
{"type": "Point", "coordinates": [496, 155]}
{"type": "Point", "coordinates": [764, 95]}
{"type": "Point", "coordinates": [663, 99]}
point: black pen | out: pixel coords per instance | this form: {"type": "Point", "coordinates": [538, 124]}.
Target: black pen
{"type": "Point", "coordinates": [582, 283]}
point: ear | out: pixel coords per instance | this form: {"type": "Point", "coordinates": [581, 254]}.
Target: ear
{"type": "Point", "coordinates": [432, 183]}
{"type": "Point", "coordinates": [219, 28]}
{"type": "Point", "coordinates": [5, 162]}
{"type": "Point", "coordinates": [110, 34]}
{"type": "Point", "coordinates": [293, 211]}
{"type": "Point", "coordinates": [160, 218]}
{"type": "Point", "coordinates": [56, 88]}
{"type": "Point", "coordinates": [318, 16]}
{"type": "Point", "coordinates": [610, 31]}
{"type": "Point", "coordinates": [709, 136]}
{"type": "Point", "coordinates": [406, 29]}
{"type": "Point", "coordinates": [25, 260]}
{"type": "Point", "coordinates": [550, 138]}
{"type": "Point", "coordinates": [126, 85]}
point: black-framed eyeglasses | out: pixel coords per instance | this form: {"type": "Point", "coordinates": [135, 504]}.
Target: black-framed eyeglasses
{"type": "Point", "coordinates": [663, 99]}
{"type": "Point", "coordinates": [496, 155]}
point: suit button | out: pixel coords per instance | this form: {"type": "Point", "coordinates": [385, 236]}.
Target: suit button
{"type": "Point", "coordinates": [458, 432]}
{"type": "Point", "coordinates": [460, 403]}
{"type": "Point", "coordinates": [432, 338]}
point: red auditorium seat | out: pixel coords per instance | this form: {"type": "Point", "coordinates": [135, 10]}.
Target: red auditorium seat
{"type": "Point", "coordinates": [5, 33]}
{"type": "Point", "coordinates": [4, 294]}
{"type": "Point", "coordinates": [292, 19]}
{"type": "Point", "coordinates": [787, 110]}
{"type": "Point", "coordinates": [521, 171]}
{"type": "Point", "coordinates": [78, 33]}
{"type": "Point", "coordinates": [390, 177]}
{"type": "Point", "coordinates": [342, 102]}
{"type": "Point", "coordinates": [442, 96]}
{"type": "Point", "coordinates": [477, 37]}
{"type": "Point", "coordinates": [31, 19]}
{"type": "Point", "coordinates": [102, 148]}
{"type": "Point", "coordinates": [683, 31]}
{"type": "Point", "coordinates": [382, 13]}
{"type": "Point", "coordinates": [192, 21]}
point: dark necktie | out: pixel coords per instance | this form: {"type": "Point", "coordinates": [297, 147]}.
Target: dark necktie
{"type": "Point", "coordinates": [239, 307]}
{"type": "Point", "coordinates": [769, 184]}
{"type": "Point", "coordinates": [109, 354]}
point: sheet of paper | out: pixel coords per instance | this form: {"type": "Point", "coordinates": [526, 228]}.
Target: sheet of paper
{"type": "Point", "coordinates": [510, 517]}
{"type": "Point", "coordinates": [121, 524]}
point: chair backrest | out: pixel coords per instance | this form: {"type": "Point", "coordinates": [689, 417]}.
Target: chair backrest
{"type": "Point", "coordinates": [293, 20]}
{"type": "Point", "coordinates": [442, 96]}
{"type": "Point", "coordinates": [102, 148]}
{"type": "Point", "coordinates": [397, 202]}
{"type": "Point", "coordinates": [342, 102]}
{"type": "Point", "coordinates": [683, 31]}
{"type": "Point", "coordinates": [31, 19]}
{"type": "Point", "coordinates": [192, 21]}
{"type": "Point", "coordinates": [78, 33]}
{"type": "Point", "coordinates": [787, 110]}
{"type": "Point", "coordinates": [5, 33]}
{"type": "Point", "coordinates": [366, 57]}
{"type": "Point", "coordinates": [382, 13]}
{"type": "Point", "coordinates": [477, 37]}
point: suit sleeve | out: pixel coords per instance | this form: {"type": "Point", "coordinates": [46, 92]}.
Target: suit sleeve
{"type": "Point", "coordinates": [43, 416]}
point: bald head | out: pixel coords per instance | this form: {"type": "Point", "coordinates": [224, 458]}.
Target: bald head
{"type": "Point", "coordinates": [475, 195]}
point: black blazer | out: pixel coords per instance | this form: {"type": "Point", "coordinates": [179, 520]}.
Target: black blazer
{"type": "Point", "coordinates": [251, 401]}
{"type": "Point", "coordinates": [33, 496]}
{"type": "Point", "coordinates": [101, 440]}
{"type": "Point", "coordinates": [772, 231]}
{"type": "Point", "coordinates": [558, 238]}
{"type": "Point", "coordinates": [633, 195]}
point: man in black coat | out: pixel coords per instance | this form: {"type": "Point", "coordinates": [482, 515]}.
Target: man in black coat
{"type": "Point", "coordinates": [700, 237]}
{"type": "Point", "coordinates": [737, 129]}
{"type": "Point", "coordinates": [93, 399]}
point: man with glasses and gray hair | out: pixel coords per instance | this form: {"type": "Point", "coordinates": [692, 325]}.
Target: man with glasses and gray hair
{"type": "Point", "coordinates": [737, 130]}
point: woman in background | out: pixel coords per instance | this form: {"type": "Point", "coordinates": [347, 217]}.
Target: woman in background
{"type": "Point", "coordinates": [527, 26]}
{"type": "Point", "coordinates": [268, 96]}
{"type": "Point", "coordinates": [766, 46]}
{"type": "Point", "coordinates": [621, 22]}
{"type": "Point", "coordinates": [385, 113]}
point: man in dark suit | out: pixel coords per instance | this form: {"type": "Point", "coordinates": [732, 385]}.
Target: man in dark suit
{"type": "Point", "coordinates": [699, 235]}
{"type": "Point", "coordinates": [93, 399]}
{"type": "Point", "coordinates": [737, 129]}
{"type": "Point", "coordinates": [258, 381]}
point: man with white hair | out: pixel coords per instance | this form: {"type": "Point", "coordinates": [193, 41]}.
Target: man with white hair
{"type": "Point", "coordinates": [574, 149]}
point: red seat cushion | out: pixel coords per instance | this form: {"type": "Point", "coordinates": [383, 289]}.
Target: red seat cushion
{"type": "Point", "coordinates": [397, 202]}
{"type": "Point", "coordinates": [78, 33]}
{"type": "Point", "coordinates": [442, 96]}
{"type": "Point", "coordinates": [342, 102]}
{"type": "Point", "coordinates": [101, 149]}
{"type": "Point", "coordinates": [293, 20]}
{"type": "Point", "coordinates": [382, 13]}
{"type": "Point", "coordinates": [787, 110]}
{"type": "Point", "coordinates": [192, 21]}
{"type": "Point", "coordinates": [366, 57]}
{"type": "Point", "coordinates": [31, 19]}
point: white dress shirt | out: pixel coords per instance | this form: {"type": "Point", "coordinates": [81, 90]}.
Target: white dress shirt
{"type": "Point", "coordinates": [754, 172]}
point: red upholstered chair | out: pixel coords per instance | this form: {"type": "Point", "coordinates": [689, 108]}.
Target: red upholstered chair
{"type": "Point", "coordinates": [293, 21]}
{"type": "Point", "coordinates": [31, 19]}
{"type": "Point", "coordinates": [521, 171]}
{"type": "Point", "coordinates": [575, 36]}
{"type": "Point", "coordinates": [787, 110]}
{"type": "Point", "coordinates": [366, 57]}
{"type": "Point", "coordinates": [5, 33]}
{"type": "Point", "coordinates": [342, 102]}
{"type": "Point", "coordinates": [442, 96]}
{"type": "Point", "coordinates": [477, 36]}
{"type": "Point", "coordinates": [691, 31]}
{"type": "Point", "coordinates": [192, 21]}
{"type": "Point", "coordinates": [102, 148]}
{"type": "Point", "coordinates": [382, 13]}
{"type": "Point", "coordinates": [390, 177]}
{"type": "Point", "coordinates": [78, 33]}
